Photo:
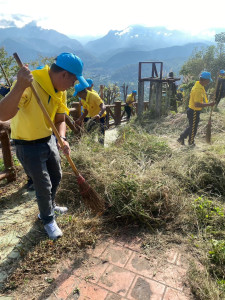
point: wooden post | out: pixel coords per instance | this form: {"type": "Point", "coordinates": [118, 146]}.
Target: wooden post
{"type": "Point", "coordinates": [117, 112]}
{"type": "Point", "coordinates": [152, 99]}
{"type": "Point", "coordinates": [10, 172]}
{"type": "Point", "coordinates": [151, 90]}
{"type": "Point", "coordinates": [158, 99]}
{"type": "Point", "coordinates": [140, 106]}
{"type": "Point", "coordinates": [101, 91]}
{"type": "Point", "coordinates": [108, 114]}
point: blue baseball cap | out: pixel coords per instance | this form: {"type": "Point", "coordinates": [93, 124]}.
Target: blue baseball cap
{"type": "Point", "coordinates": [134, 92]}
{"type": "Point", "coordinates": [206, 75]}
{"type": "Point", "coordinates": [73, 64]}
{"type": "Point", "coordinates": [222, 72]}
{"type": "Point", "coordinates": [89, 81]}
{"type": "Point", "coordinates": [40, 67]}
{"type": "Point", "coordinates": [78, 88]}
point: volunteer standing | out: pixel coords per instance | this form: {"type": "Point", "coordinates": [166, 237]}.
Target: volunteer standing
{"type": "Point", "coordinates": [198, 100]}
{"type": "Point", "coordinates": [35, 145]}
{"type": "Point", "coordinates": [131, 99]}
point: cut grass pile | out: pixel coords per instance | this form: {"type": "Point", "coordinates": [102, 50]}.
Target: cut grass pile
{"type": "Point", "coordinates": [145, 182]}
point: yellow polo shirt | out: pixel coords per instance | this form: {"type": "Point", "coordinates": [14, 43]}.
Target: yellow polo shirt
{"type": "Point", "coordinates": [29, 123]}
{"type": "Point", "coordinates": [91, 104]}
{"type": "Point", "coordinates": [198, 94]}
{"type": "Point", "coordinates": [130, 98]}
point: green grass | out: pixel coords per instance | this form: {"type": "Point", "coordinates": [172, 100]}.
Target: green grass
{"type": "Point", "coordinates": [2, 167]}
{"type": "Point", "coordinates": [15, 162]}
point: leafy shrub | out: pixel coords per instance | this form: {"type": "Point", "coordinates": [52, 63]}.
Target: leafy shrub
{"type": "Point", "coordinates": [217, 258]}
{"type": "Point", "coordinates": [208, 213]}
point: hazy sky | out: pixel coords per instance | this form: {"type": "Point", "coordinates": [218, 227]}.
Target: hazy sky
{"type": "Point", "coordinates": [97, 17]}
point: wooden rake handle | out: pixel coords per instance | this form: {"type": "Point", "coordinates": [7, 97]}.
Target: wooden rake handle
{"type": "Point", "coordinates": [20, 64]}
{"type": "Point", "coordinates": [211, 111]}
{"type": "Point", "coordinates": [6, 78]}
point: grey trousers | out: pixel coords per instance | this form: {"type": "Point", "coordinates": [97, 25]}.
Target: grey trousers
{"type": "Point", "coordinates": [41, 162]}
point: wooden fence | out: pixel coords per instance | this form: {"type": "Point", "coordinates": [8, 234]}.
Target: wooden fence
{"type": "Point", "coordinates": [115, 113]}
{"type": "Point", "coordinates": [9, 172]}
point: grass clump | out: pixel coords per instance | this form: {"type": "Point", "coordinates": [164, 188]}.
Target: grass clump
{"type": "Point", "coordinates": [203, 286]}
{"type": "Point", "coordinates": [217, 259]}
{"type": "Point", "coordinates": [208, 213]}
{"type": "Point", "coordinates": [208, 174]}
{"type": "Point", "coordinates": [2, 167]}
{"type": "Point", "coordinates": [142, 146]}
{"type": "Point", "coordinates": [148, 182]}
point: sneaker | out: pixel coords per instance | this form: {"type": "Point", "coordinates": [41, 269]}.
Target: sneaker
{"type": "Point", "coordinates": [53, 230]}
{"type": "Point", "coordinates": [191, 144]}
{"type": "Point", "coordinates": [58, 210]}
{"type": "Point", "coordinates": [181, 141]}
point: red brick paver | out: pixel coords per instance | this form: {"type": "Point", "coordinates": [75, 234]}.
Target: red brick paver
{"type": "Point", "coordinates": [117, 270]}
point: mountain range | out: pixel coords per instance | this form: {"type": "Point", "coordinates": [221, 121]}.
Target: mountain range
{"type": "Point", "coordinates": [111, 58]}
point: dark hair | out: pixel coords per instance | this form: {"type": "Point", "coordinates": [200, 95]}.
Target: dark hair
{"type": "Point", "coordinates": [56, 69]}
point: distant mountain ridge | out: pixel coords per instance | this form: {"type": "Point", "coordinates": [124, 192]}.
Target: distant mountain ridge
{"type": "Point", "coordinates": [140, 38]}
{"type": "Point", "coordinates": [128, 57]}
{"type": "Point", "coordinates": [112, 57]}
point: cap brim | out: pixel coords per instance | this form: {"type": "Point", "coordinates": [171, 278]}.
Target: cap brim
{"type": "Point", "coordinates": [75, 93]}
{"type": "Point", "coordinates": [82, 81]}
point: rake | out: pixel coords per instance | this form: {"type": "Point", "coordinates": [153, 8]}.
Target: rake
{"type": "Point", "coordinates": [89, 195]}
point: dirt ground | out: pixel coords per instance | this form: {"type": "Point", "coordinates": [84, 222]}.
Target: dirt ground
{"type": "Point", "coordinates": [19, 225]}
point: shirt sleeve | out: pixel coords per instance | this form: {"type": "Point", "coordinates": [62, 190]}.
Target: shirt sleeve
{"type": "Point", "coordinates": [85, 106]}
{"type": "Point", "coordinates": [62, 109]}
{"type": "Point", "coordinates": [25, 97]}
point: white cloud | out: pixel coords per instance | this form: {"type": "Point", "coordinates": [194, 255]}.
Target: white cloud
{"type": "Point", "coordinates": [98, 17]}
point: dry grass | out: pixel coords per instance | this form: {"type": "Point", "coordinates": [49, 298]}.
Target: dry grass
{"type": "Point", "coordinates": [149, 181]}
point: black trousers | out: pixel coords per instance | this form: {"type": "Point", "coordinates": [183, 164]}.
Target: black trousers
{"type": "Point", "coordinates": [92, 124]}
{"type": "Point", "coordinates": [193, 118]}
{"type": "Point", "coordinates": [128, 111]}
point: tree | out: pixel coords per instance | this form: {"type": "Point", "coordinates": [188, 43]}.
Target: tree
{"type": "Point", "coordinates": [199, 61]}
{"type": "Point", "coordinates": [124, 89]}
{"type": "Point", "coordinates": [220, 40]}
{"type": "Point", "coordinates": [9, 65]}
{"type": "Point", "coordinates": [111, 93]}
{"type": "Point", "coordinates": [42, 61]}
{"type": "Point", "coordinates": [211, 59]}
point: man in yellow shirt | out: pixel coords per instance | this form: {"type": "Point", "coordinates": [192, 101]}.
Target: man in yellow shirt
{"type": "Point", "coordinates": [198, 100]}
{"type": "Point", "coordinates": [90, 88]}
{"type": "Point", "coordinates": [131, 98]}
{"type": "Point", "coordinates": [94, 107]}
{"type": "Point", "coordinates": [36, 147]}
{"type": "Point", "coordinates": [220, 89]}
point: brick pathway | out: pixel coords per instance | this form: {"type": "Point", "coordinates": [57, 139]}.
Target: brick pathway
{"type": "Point", "coordinates": [117, 270]}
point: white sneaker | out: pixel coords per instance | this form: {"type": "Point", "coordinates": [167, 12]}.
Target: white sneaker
{"type": "Point", "coordinates": [58, 210]}
{"type": "Point", "coordinates": [53, 230]}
